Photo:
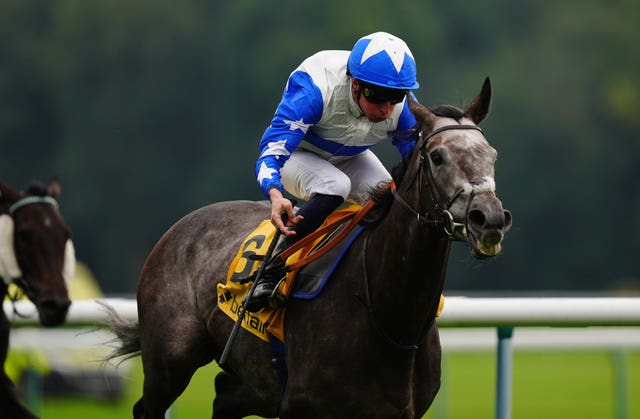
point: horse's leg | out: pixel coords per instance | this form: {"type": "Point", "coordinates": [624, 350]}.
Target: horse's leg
{"type": "Point", "coordinates": [166, 376]}
{"type": "Point", "coordinates": [174, 344]}
{"type": "Point", "coordinates": [427, 372]}
{"type": "Point", "coordinates": [9, 402]}
{"type": "Point", "coordinates": [236, 400]}
{"type": "Point", "coordinates": [171, 354]}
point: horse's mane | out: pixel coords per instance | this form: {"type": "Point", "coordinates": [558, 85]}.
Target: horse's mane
{"type": "Point", "coordinates": [448, 111]}
{"type": "Point", "coordinates": [382, 195]}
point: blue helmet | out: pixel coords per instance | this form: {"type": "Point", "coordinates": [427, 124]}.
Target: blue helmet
{"type": "Point", "coordinates": [384, 60]}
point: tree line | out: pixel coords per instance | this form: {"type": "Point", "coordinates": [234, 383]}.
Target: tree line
{"type": "Point", "coordinates": [147, 110]}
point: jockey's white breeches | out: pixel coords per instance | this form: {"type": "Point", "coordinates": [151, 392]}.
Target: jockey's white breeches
{"type": "Point", "coordinates": [306, 174]}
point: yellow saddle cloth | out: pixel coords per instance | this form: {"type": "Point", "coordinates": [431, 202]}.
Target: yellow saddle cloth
{"type": "Point", "coordinates": [230, 294]}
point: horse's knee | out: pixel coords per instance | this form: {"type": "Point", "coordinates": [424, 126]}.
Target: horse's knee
{"type": "Point", "coordinates": [226, 404]}
{"type": "Point", "coordinates": [235, 400]}
{"type": "Point", "coordinates": [138, 409]}
{"type": "Point", "coordinates": [224, 380]}
{"type": "Point", "coordinates": [226, 386]}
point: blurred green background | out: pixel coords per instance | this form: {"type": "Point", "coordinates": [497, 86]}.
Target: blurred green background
{"type": "Point", "coordinates": [147, 110]}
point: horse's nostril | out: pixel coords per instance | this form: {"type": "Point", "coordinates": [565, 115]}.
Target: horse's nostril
{"type": "Point", "coordinates": [477, 217]}
{"type": "Point", "coordinates": [507, 219]}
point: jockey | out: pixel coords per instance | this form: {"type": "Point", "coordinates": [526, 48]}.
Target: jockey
{"type": "Point", "coordinates": [335, 106]}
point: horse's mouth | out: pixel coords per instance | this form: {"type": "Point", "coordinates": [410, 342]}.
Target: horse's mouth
{"type": "Point", "coordinates": [488, 245]}
{"type": "Point", "coordinates": [53, 312]}
{"type": "Point", "coordinates": [483, 251]}
{"type": "Point", "coordinates": [486, 229]}
{"type": "Point", "coordinates": [53, 321]}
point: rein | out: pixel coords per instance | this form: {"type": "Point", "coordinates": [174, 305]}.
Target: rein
{"type": "Point", "coordinates": [354, 219]}
{"type": "Point", "coordinates": [372, 318]}
{"type": "Point", "coordinates": [442, 217]}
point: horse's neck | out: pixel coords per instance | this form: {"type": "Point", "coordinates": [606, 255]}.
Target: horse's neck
{"type": "Point", "coordinates": [407, 263]}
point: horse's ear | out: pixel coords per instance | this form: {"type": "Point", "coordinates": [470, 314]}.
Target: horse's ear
{"type": "Point", "coordinates": [479, 107]}
{"type": "Point", "coordinates": [7, 196]}
{"type": "Point", "coordinates": [54, 189]}
{"type": "Point", "coordinates": [424, 116]}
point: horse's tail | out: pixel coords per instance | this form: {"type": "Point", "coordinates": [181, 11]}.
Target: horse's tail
{"type": "Point", "coordinates": [126, 344]}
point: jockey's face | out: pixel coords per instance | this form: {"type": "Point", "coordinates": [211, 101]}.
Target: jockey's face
{"type": "Point", "coordinates": [375, 112]}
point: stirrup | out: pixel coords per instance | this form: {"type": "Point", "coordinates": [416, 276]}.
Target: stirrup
{"type": "Point", "coordinates": [276, 299]}
{"type": "Point", "coordinates": [269, 269]}
{"type": "Point", "coordinates": [271, 301]}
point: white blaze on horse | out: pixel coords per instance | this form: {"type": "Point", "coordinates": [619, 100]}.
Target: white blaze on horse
{"type": "Point", "coordinates": [367, 345]}
{"type": "Point", "coordinates": [37, 255]}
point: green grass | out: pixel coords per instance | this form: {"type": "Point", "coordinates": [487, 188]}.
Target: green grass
{"type": "Point", "coordinates": [547, 385]}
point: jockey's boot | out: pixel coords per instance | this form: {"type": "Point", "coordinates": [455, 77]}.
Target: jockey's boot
{"type": "Point", "coordinates": [314, 211]}
{"type": "Point", "coordinates": [273, 273]}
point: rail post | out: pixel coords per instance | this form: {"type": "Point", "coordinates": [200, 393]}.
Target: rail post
{"type": "Point", "coordinates": [504, 373]}
{"type": "Point", "coordinates": [620, 384]}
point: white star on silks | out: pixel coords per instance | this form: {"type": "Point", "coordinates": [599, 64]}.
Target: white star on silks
{"type": "Point", "coordinates": [276, 148]}
{"type": "Point", "coordinates": [391, 46]}
{"type": "Point", "coordinates": [294, 125]}
{"type": "Point", "coordinates": [265, 172]}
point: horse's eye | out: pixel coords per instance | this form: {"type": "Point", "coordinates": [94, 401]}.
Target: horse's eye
{"type": "Point", "coordinates": [436, 158]}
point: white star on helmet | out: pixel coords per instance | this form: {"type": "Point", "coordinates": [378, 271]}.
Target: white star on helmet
{"type": "Point", "coordinates": [394, 47]}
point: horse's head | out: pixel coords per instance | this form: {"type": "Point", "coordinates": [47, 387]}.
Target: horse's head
{"type": "Point", "coordinates": [36, 252]}
{"type": "Point", "coordinates": [458, 164]}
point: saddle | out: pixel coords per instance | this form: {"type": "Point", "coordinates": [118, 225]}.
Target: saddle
{"type": "Point", "coordinates": [310, 263]}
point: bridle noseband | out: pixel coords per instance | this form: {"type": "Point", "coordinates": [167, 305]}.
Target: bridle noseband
{"type": "Point", "coordinates": [442, 217]}
{"type": "Point", "coordinates": [32, 199]}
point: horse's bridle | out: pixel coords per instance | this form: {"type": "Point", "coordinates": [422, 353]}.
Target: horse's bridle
{"type": "Point", "coordinates": [443, 217]}
{"type": "Point", "coordinates": [32, 199]}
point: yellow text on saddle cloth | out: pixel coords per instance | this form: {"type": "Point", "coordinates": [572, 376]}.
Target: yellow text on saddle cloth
{"type": "Point", "coordinates": [231, 293]}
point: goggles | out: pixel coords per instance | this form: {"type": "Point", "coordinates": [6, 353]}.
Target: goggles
{"type": "Point", "coordinates": [378, 94]}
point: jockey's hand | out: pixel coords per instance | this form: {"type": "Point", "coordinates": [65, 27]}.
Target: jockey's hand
{"type": "Point", "coordinates": [279, 206]}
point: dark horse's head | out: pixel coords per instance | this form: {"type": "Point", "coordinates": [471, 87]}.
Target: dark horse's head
{"type": "Point", "coordinates": [454, 159]}
{"type": "Point", "coordinates": [36, 252]}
